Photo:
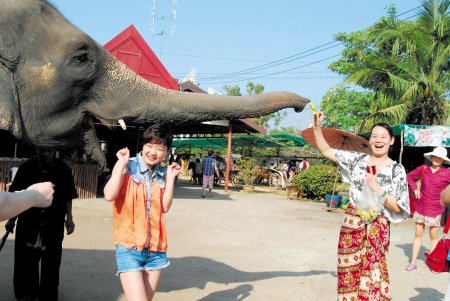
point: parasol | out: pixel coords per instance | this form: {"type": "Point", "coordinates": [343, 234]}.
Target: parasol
{"type": "Point", "coordinates": [338, 139]}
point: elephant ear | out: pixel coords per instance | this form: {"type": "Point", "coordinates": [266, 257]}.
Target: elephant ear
{"type": "Point", "coordinates": [8, 52]}
{"type": "Point", "coordinates": [10, 119]}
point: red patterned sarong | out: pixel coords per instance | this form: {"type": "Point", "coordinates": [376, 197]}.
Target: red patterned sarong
{"type": "Point", "coordinates": [362, 268]}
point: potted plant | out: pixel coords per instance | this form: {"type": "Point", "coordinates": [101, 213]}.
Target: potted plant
{"type": "Point", "coordinates": [249, 171]}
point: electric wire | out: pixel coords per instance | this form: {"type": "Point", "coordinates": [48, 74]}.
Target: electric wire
{"type": "Point", "coordinates": [273, 64]}
{"type": "Point", "coordinates": [275, 73]}
{"type": "Point", "coordinates": [283, 61]}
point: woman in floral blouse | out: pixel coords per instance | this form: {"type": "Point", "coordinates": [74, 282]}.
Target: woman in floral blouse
{"type": "Point", "coordinates": [362, 249]}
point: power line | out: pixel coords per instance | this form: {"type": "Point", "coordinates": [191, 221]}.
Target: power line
{"type": "Point", "coordinates": [214, 58]}
{"type": "Point", "coordinates": [411, 17]}
{"type": "Point", "coordinates": [272, 64]}
{"type": "Point", "coordinates": [303, 72]}
{"type": "Point", "coordinates": [279, 62]}
{"type": "Point", "coordinates": [277, 72]}
{"type": "Point", "coordinates": [282, 78]}
{"type": "Point", "coordinates": [408, 11]}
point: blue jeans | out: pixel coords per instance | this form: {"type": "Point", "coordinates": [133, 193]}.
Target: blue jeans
{"type": "Point", "coordinates": [129, 260]}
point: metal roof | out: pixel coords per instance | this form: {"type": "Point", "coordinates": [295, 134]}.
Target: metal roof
{"type": "Point", "coordinates": [271, 140]}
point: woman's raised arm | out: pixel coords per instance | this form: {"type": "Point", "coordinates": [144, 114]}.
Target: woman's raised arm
{"type": "Point", "coordinates": [322, 144]}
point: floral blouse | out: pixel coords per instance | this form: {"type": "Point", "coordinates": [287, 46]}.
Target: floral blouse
{"type": "Point", "coordinates": [352, 167]}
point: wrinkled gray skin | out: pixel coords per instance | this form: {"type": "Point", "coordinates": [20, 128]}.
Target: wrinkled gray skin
{"type": "Point", "coordinates": [54, 78]}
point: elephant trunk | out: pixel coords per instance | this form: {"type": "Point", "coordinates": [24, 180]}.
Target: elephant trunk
{"type": "Point", "coordinates": [125, 95]}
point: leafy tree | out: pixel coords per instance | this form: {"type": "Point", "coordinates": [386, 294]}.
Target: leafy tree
{"type": "Point", "coordinates": [344, 108]}
{"type": "Point", "coordinates": [252, 89]}
{"type": "Point", "coordinates": [262, 121]}
{"type": "Point", "coordinates": [283, 130]}
{"type": "Point", "coordinates": [405, 64]}
{"type": "Point", "coordinates": [232, 91]}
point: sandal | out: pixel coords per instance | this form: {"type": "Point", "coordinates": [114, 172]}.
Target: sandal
{"type": "Point", "coordinates": [411, 267]}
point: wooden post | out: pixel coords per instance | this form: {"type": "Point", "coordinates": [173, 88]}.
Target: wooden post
{"type": "Point", "coordinates": [227, 173]}
{"type": "Point", "coordinates": [401, 148]}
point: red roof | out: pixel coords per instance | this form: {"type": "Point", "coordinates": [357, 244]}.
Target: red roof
{"type": "Point", "coordinates": [131, 49]}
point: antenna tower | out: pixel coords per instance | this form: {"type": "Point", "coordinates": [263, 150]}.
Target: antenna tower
{"type": "Point", "coordinates": [172, 27]}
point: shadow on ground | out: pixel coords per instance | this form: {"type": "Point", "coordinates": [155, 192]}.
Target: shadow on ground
{"type": "Point", "coordinates": [90, 275]}
{"type": "Point", "coordinates": [407, 249]}
{"type": "Point", "coordinates": [238, 293]}
{"type": "Point", "coordinates": [429, 294]}
{"type": "Point", "coordinates": [189, 272]}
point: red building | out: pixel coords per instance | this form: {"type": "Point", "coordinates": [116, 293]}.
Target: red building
{"type": "Point", "coordinates": [131, 49]}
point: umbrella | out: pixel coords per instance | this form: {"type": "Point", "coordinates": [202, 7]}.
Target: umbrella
{"type": "Point", "coordinates": [338, 139]}
{"type": "Point", "coordinates": [2, 242]}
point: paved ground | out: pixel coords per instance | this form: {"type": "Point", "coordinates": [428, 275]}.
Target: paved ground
{"type": "Point", "coordinates": [235, 246]}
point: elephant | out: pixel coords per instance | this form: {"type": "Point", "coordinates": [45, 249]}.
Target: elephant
{"type": "Point", "coordinates": [54, 79]}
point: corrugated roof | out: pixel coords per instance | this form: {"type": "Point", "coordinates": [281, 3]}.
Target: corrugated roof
{"type": "Point", "coordinates": [271, 140]}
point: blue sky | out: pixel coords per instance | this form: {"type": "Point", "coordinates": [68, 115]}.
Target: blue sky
{"type": "Point", "coordinates": [221, 37]}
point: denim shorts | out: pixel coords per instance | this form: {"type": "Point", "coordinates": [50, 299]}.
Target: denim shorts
{"type": "Point", "coordinates": [129, 260]}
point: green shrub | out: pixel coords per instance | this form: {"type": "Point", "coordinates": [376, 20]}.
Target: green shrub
{"type": "Point", "coordinates": [316, 181]}
{"type": "Point", "coordinates": [249, 170]}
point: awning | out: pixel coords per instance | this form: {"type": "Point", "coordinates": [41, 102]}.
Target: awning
{"type": "Point", "coordinates": [421, 135]}
{"type": "Point", "coordinates": [271, 140]}
{"type": "Point", "coordinates": [397, 131]}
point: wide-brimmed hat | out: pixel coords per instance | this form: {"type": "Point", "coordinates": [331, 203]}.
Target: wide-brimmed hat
{"type": "Point", "coordinates": [440, 152]}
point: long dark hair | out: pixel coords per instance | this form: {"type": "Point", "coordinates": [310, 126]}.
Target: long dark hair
{"type": "Point", "coordinates": [385, 126]}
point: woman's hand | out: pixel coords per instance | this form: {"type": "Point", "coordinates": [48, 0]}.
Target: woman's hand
{"type": "Point", "coordinates": [123, 155]}
{"type": "Point", "coordinates": [318, 118]}
{"type": "Point", "coordinates": [417, 194]}
{"type": "Point", "coordinates": [173, 170]}
{"type": "Point", "coordinates": [371, 180]}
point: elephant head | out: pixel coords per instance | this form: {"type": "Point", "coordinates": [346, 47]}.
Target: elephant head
{"type": "Point", "coordinates": [54, 78]}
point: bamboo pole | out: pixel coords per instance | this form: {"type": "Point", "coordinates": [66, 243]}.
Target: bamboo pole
{"type": "Point", "coordinates": [329, 209]}
{"type": "Point", "coordinates": [334, 189]}
{"type": "Point", "coordinates": [401, 147]}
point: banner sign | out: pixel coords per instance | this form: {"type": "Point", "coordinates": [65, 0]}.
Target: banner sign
{"type": "Point", "coordinates": [426, 135]}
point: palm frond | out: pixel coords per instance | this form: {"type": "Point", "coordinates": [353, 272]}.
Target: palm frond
{"type": "Point", "coordinates": [447, 112]}
{"type": "Point", "coordinates": [393, 115]}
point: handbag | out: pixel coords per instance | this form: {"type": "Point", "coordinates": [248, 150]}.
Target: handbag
{"type": "Point", "coordinates": [437, 260]}
{"type": "Point", "coordinates": [412, 198]}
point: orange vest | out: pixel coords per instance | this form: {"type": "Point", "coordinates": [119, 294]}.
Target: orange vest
{"type": "Point", "coordinates": [132, 226]}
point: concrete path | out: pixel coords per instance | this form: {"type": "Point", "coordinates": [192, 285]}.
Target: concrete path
{"type": "Point", "coordinates": [234, 246]}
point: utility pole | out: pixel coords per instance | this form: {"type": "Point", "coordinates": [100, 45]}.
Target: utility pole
{"type": "Point", "coordinates": [172, 27]}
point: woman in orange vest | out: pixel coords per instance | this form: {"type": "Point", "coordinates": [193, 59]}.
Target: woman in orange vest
{"type": "Point", "coordinates": [141, 191]}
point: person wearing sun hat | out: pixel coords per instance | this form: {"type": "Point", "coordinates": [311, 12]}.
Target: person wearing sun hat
{"type": "Point", "coordinates": [428, 209]}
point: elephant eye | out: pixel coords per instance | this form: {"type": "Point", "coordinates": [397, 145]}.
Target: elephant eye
{"type": "Point", "coordinates": [82, 57]}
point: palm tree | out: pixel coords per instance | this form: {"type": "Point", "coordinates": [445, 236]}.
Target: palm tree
{"type": "Point", "coordinates": [409, 74]}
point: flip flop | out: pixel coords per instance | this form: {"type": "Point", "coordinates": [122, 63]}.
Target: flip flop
{"type": "Point", "coordinates": [210, 196]}
{"type": "Point", "coordinates": [411, 267]}
{"type": "Point", "coordinates": [203, 196]}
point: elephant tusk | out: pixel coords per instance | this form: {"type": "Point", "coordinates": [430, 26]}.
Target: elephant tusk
{"type": "Point", "coordinates": [122, 124]}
